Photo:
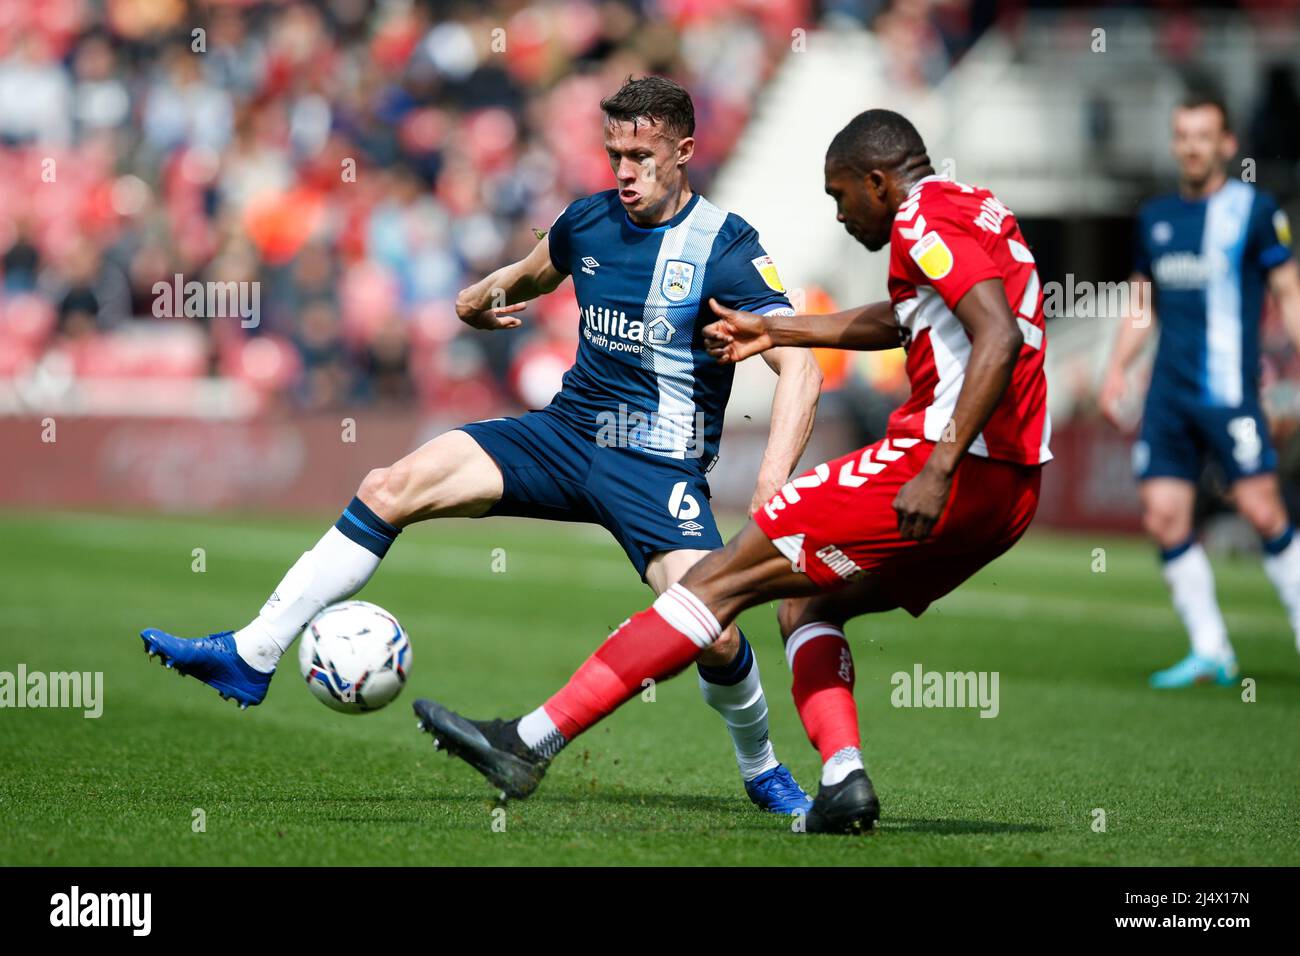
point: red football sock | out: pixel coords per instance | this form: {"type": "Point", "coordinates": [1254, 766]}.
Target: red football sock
{"type": "Point", "coordinates": [657, 643]}
{"type": "Point", "coordinates": [822, 664]}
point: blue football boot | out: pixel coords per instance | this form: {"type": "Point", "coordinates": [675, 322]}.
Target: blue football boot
{"type": "Point", "coordinates": [213, 660]}
{"type": "Point", "coordinates": [775, 790]}
{"type": "Point", "coordinates": [1195, 669]}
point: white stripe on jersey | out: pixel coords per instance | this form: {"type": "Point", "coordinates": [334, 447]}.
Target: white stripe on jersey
{"type": "Point", "coordinates": [1044, 448]}
{"type": "Point", "coordinates": [951, 348]}
{"type": "Point", "coordinates": [1226, 217]}
{"type": "Point", "coordinates": [672, 362]}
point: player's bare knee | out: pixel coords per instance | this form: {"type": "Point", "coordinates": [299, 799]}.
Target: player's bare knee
{"type": "Point", "coordinates": [383, 491]}
{"type": "Point", "coordinates": [1166, 526]}
{"type": "Point", "coordinates": [1265, 516]}
{"type": "Point", "coordinates": [371, 489]}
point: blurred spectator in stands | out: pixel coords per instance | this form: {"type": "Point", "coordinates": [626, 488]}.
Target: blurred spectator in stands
{"type": "Point", "coordinates": [914, 49]}
{"type": "Point", "coordinates": [360, 161]}
{"type": "Point", "coordinates": [78, 310]}
{"type": "Point", "coordinates": [100, 98]}
{"type": "Point", "coordinates": [385, 360]}
{"type": "Point", "coordinates": [327, 381]}
{"type": "Point", "coordinates": [182, 108]}
{"type": "Point", "coordinates": [21, 261]}
{"type": "Point", "coordinates": [34, 95]}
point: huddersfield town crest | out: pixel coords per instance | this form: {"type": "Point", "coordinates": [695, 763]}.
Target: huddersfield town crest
{"type": "Point", "coordinates": [677, 280]}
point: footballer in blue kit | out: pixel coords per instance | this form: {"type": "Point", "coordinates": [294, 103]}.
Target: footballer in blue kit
{"type": "Point", "coordinates": [629, 438]}
{"type": "Point", "coordinates": [1209, 252]}
{"type": "Point", "coordinates": [627, 441]}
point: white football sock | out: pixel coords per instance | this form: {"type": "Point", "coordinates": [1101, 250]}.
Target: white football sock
{"type": "Point", "coordinates": [743, 707]}
{"type": "Point", "coordinates": [1191, 585]}
{"type": "Point", "coordinates": [1283, 570]}
{"type": "Point", "coordinates": [842, 763]}
{"type": "Point", "coordinates": [335, 569]}
{"type": "Point", "coordinates": [539, 733]}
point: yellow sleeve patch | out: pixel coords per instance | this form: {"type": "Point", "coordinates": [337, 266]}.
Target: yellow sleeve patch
{"type": "Point", "coordinates": [932, 254]}
{"type": "Point", "coordinates": [767, 269]}
{"type": "Point", "coordinates": [1282, 226]}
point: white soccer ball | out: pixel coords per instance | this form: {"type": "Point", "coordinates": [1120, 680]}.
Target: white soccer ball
{"type": "Point", "coordinates": [354, 657]}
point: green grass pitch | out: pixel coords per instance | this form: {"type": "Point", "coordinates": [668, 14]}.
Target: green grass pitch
{"type": "Point", "coordinates": [1195, 777]}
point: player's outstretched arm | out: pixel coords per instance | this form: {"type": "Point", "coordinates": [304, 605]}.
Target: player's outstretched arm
{"type": "Point", "coordinates": [738, 335]}
{"type": "Point", "coordinates": [1284, 284]}
{"type": "Point", "coordinates": [1134, 328]}
{"type": "Point", "coordinates": [492, 302]}
{"type": "Point", "coordinates": [794, 406]}
{"type": "Point", "coordinates": [996, 341]}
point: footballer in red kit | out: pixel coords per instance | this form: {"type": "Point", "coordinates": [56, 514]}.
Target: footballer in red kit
{"type": "Point", "coordinates": [947, 237]}
{"type": "Point", "coordinates": [838, 520]}
{"type": "Point", "coordinates": [952, 485]}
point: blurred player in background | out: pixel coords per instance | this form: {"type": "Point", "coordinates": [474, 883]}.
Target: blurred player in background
{"type": "Point", "coordinates": [625, 443]}
{"type": "Point", "coordinates": [1210, 251]}
{"type": "Point", "coordinates": [900, 523]}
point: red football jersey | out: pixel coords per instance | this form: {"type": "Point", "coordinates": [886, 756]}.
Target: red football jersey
{"type": "Point", "coordinates": [946, 237]}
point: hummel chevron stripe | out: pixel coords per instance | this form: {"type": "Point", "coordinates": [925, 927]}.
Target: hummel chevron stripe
{"type": "Point", "coordinates": [865, 465]}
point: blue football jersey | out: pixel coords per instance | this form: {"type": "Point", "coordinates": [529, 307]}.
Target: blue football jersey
{"type": "Point", "coordinates": [642, 378]}
{"type": "Point", "coordinates": [1209, 261]}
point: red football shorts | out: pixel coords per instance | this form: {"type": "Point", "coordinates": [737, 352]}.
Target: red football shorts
{"type": "Point", "coordinates": [837, 522]}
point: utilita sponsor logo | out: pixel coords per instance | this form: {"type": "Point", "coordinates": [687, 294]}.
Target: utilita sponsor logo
{"type": "Point", "coordinates": [610, 329]}
{"type": "Point", "coordinates": [1187, 270]}
{"type": "Point", "coordinates": [75, 908]}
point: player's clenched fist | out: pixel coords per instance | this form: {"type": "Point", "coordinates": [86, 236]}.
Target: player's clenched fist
{"type": "Point", "coordinates": [920, 503]}
{"type": "Point", "coordinates": [475, 306]}
{"type": "Point", "coordinates": [736, 335]}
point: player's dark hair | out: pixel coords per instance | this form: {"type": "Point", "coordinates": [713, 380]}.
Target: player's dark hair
{"type": "Point", "coordinates": [878, 139]}
{"type": "Point", "coordinates": [653, 98]}
{"type": "Point", "coordinates": [1198, 98]}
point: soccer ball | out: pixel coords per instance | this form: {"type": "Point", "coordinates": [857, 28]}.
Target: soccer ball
{"type": "Point", "coordinates": [354, 657]}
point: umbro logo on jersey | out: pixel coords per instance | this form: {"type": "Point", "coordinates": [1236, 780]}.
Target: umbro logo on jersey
{"type": "Point", "coordinates": [691, 528]}
{"type": "Point", "coordinates": [589, 265]}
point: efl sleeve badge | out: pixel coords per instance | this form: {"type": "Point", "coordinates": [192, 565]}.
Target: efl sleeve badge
{"type": "Point", "coordinates": [932, 255]}
{"type": "Point", "coordinates": [767, 269]}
